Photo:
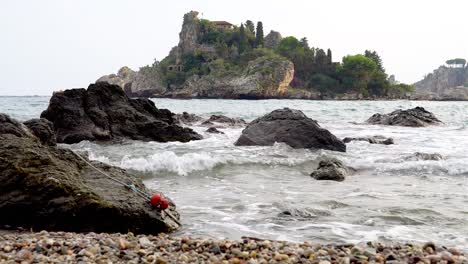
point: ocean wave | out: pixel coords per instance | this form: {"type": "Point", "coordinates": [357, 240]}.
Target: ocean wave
{"type": "Point", "coordinates": [169, 161]}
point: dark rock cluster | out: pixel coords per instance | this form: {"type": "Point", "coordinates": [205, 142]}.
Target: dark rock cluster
{"type": "Point", "coordinates": [47, 187]}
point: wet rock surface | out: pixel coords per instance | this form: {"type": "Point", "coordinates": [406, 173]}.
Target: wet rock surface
{"type": "Point", "coordinates": [46, 247]}
{"type": "Point", "coordinates": [415, 117]}
{"type": "Point", "coordinates": [423, 156]}
{"type": "Point", "coordinates": [291, 127]}
{"type": "Point", "coordinates": [214, 130]}
{"type": "Point", "coordinates": [330, 169]}
{"type": "Point", "coordinates": [187, 119]}
{"type": "Point", "coordinates": [372, 140]}
{"type": "Point", "coordinates": [104, 112]}
{"type": "Point", "coordinates": [223, 121]}
{"type": "Point", "coordinates": [46, 187]}
{"type": "Point", "coordinates": [42, 129]}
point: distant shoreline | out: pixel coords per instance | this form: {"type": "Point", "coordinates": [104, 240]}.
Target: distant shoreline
{"type": "Point", "coordinates": [270, 98]}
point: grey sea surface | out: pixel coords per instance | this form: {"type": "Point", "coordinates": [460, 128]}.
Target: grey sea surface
{"type": "Point", "coordinates": [225, 191]}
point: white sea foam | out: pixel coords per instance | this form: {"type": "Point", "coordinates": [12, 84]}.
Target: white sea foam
{"type": "Point", "coordinates": [229, 191]}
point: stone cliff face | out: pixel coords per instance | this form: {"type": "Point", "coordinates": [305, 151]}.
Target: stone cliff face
{"type": "Point", "coordinates": [264, 77]}
{"type": "Point", "coordinates": [444, 83]}
{"type": "Point", "coordinates": [272, 40]}
{"type": "Point", "coordinates": [135, 83]}
{"type": "Point", "coordinates": [188, 36]}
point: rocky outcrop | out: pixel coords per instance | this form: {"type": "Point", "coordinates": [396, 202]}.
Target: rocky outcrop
{"type": "Point", "coordinates": [264, 77]}
{"type": "Point", "coordinates": [272, 40]}
{"type": "Point", "coordinates": [330, 169]}
{"type": "Point", "coordinates": [415, 117]}
{"type": "Point", "coordinates": [188, 36]}
{"type": "Point", "coordinates": [43, 129]}
{"type": "Point", "coordinates": [445, 83]}
{"type": "Point", "coordinates": [291, 127]}
{"type": "Point", "coordinates": [143, 83]}
{"type": "Point", "coordinates": [104, 112]}
{"type": "Point", "coordinates": [187, 119]}
{"type": "Point", "coordinates": [223, 121]}
{"type": "Point", "coordinates": [46, 187]}
{"type": "Point", "coordinates": [373, 140]}
{"type": "Point", "coordinates": [214, 130]}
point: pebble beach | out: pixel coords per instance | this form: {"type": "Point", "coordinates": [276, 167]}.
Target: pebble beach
{"type": "Point", "coordinates": [63, 247]}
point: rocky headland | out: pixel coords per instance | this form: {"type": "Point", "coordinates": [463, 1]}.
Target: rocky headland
{"type": "Point", "coordinates": [216, 59]}
{"type": "Point", "coordinates": [448, 82]}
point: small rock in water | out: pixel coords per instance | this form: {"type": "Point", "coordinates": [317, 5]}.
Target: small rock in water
{"type": "Point", "coordinates": [330, 169]}
{"type": "Point", "coordinates": [214, 130]}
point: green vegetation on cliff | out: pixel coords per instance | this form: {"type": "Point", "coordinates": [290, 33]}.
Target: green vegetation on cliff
{"type": "Point", "coordinates": [218, 48]}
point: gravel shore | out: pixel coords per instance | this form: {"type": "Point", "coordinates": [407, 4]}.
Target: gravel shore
{"type": "Point", "coordinates": [62, 247]}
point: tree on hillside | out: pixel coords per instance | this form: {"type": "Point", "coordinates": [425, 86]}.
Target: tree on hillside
{"type": "Point", "coordinates": [249, 25]}
{"type": "Point", "coordinates": [458, 62]}
{"type": "Point", "coordinates": [242, 39]}
{"type": "Point", "coordinates": [321, 61]}
{"type": "Point", "coordinates": [356, 72]}
{"type": "Point", "coordinates": [259, 35]}
{"type": "Point", "coordinates": [376, 58]}
{"type": "Point", "coordinates": [329, 55]}
{"type": "Point", "coordinates": [305, 42]}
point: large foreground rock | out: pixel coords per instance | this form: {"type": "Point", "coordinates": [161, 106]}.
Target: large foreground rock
{"type": "Point", "coordinates": [104, 112]}
{"type": "Point", "coordinates": [330, 169]}
{"type": "Point", "coordinates": [45, 187]}
{"type": "Point", "coordinates": [291, 127]}
{"type": "Point", "coordinates": [415, 117]}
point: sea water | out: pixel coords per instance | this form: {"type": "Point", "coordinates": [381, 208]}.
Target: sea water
{"type": "Point", "coordinates": [225, 191]}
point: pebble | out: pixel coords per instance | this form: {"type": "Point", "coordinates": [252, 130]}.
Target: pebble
{"type": "Point", "coordinates": [145, 242]}
{"type": "Point", "coordinates": [62, 247]}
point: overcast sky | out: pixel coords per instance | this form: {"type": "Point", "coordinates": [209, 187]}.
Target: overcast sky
{"type": "Point", "coordinates": [51, 45]}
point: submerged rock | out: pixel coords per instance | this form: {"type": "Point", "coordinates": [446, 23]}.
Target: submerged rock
{"type": "Point", "coordinates": [423, 156]}
{"type": "Point", "coordinates": [415, 117]}
{"type": "Point", "coordinates": [291, 127]}
{"type": "Point", "coordinates": [214, 130]}
{"type": "Point", "coordinates": [330, 169]}
{"type": "Point", "coordinates": [104, 112]}
{"type": "Point", "coordinates": [187, 119]}
{"type": "Point", "coordinates": [45, 187]}
{"type": "Point", "coordinates": [372, 140]}
{"type": "Point", "coordinates": [224, 121]}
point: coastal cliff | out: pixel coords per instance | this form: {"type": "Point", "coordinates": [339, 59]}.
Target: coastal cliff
{"type": "Point", "coordinates": [264, 75]}
{"type": "Point", "coordinates": [216, 59]}
{"type": "Point", "coordinates": [445, 83]}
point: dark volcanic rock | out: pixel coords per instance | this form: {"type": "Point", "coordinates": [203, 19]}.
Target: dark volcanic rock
{"type": "Point", "coordinates": [186, 118]}
{"type": "Point", "coordinates": [372, 140]}
{"type": "Point", "coordinates": [11, 126]}
{"type": "Point", "coordinates": [46, 187]}
{"type": "Point", "coordinates": [42, 129]}
{"type": "Point", "coordinates": [104, 112]}
{"type": "Point", "coordinates": [291, 127]}
{"type": "Point", "coordinates": [224, 120]}
{"type": "Point", "coordinates": [214, 130]}
{"type": "Point", "coordinates": [330, 169]}
{"type": "Point", "coordinates": [415, 117]}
